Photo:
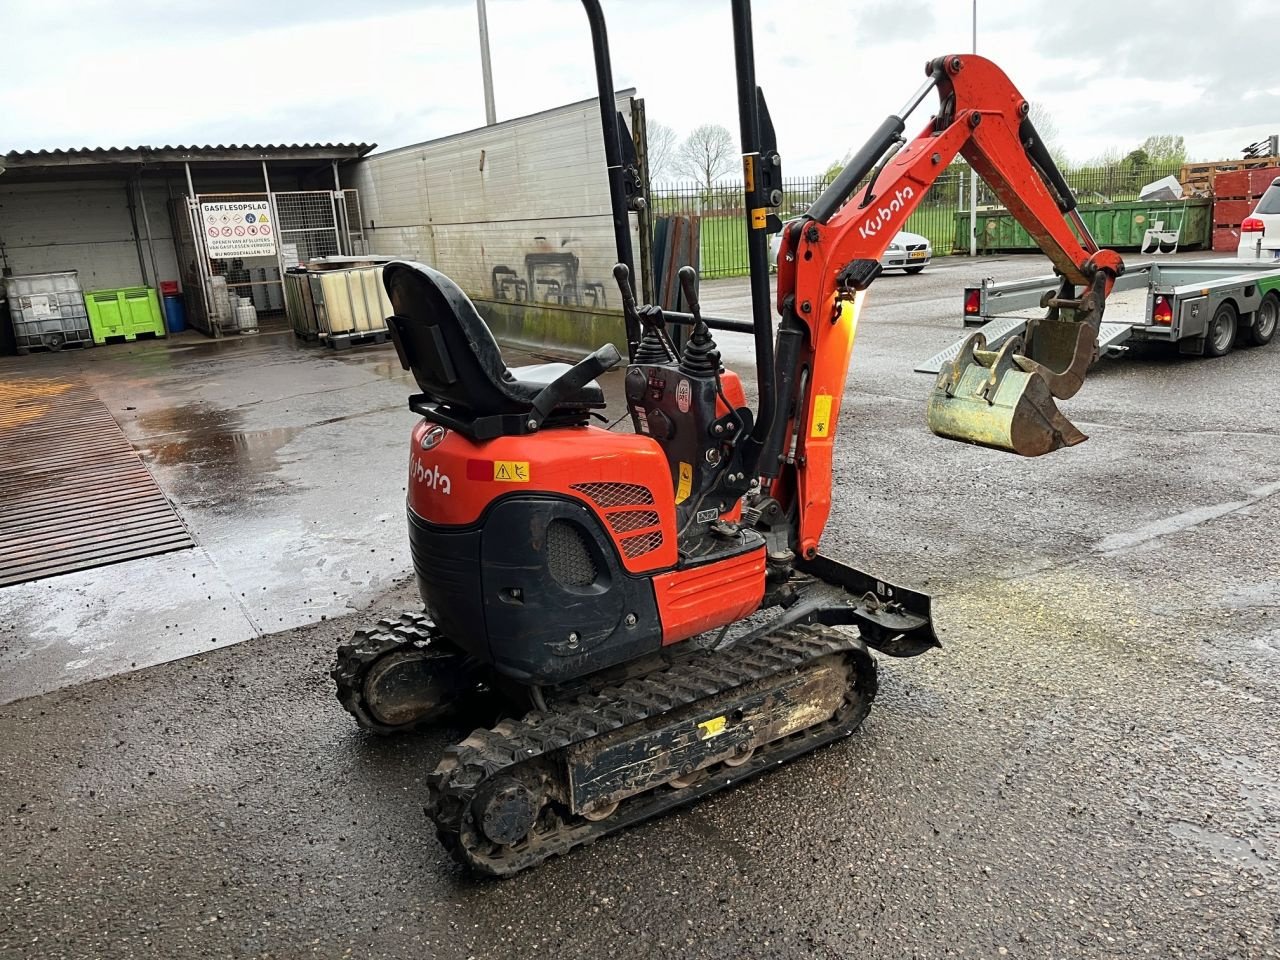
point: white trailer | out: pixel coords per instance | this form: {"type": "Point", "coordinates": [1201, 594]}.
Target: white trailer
{"type": "Point", "coordinates": [1206, 307]}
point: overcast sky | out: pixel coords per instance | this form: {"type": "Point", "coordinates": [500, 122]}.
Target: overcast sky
{"type": "Point", "coordinates": [116, 72]}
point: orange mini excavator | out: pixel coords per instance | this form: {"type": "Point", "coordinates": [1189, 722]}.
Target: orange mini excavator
{"type": "Point", "coordinates": [650, 609]}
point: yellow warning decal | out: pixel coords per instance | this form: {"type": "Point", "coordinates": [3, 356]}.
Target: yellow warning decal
{"type": "Point", "coordinates": [821, 416]}
{"type": "Point", "coordinates": [686, 482]}
{"type": "Point", "coordinates": [759, 218]}
{"type": "Point", "coordinates": [749, 172]}
{"type": "Point", "coordinates": [711, 728]}
{"type": "Point", "coordinates": [511, 471]}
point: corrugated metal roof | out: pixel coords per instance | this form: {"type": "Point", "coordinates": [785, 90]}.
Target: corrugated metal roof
{"type": "Point", "coordinates": [194, 151]}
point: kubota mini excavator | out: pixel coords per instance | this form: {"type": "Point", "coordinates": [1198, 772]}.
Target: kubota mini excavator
{"type": "Point", "coordinates": [651, 608]}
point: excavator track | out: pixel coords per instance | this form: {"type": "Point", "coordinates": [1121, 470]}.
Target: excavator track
{"type": "Point", "coordinates": [508, 798]}
{"type": "Point", "coordinates": [410, 643]}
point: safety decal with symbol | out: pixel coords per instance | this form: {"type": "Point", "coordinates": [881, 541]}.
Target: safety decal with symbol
{"type": "Point", "coordinates": [237, 228]}
{"type": "Point", "coordinates": [821, 416]}
{"type": "Point", "coordinates": [511, 471]}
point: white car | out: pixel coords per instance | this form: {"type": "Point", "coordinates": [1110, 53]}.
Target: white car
{"type": "Point", "coordinates": [1260, 231]}
{"type": "Point", "coordinates": [908, 251]}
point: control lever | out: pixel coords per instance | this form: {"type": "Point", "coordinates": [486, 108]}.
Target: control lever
{"type": "Point", "coordinates": [623, 277]}
{"type": "Point", "coordinates": [689, 287]}
{"type": "Point", "coordinates": [655, 346]}
{"type": "Point", "coordinates": [700, 357]}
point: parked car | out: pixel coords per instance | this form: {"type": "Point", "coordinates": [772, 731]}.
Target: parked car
{"type": "Point", "coordinates": [1260, 231]}
{"type": "Point", "coordinates": [908, 251]}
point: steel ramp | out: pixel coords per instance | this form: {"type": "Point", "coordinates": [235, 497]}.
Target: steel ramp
{"type": "Point", "coordinates": [1111, 335]}
{"type": "Point", "coordinates": [996, 331]}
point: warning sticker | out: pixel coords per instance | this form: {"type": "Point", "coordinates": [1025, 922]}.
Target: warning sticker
{"type": "Point", "coordinates": [511, 471]}
{"type": "Point", "coordinates": [711, 728]}
{"type": "Point", "coordinates": [685, 485]}
{"type": "Point", "coordinates": [228, 236]}
{"type": "Point", "coordinates": [821, 416]}
{"type": "Point", "coordinates": [41, 307]}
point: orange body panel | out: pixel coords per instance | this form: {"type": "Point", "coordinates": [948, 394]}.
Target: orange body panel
{"type": "Point", "coordinates": [703, 598]}
{"type": "Point", "coordinates": [731, 384]}
{"type": "Point", "coordinates": [623, 478]}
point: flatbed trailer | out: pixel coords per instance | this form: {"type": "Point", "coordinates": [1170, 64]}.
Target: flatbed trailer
{"type": "Point", "coordinates": [1206, 307]}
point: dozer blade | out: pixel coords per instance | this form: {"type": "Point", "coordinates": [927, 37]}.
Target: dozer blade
{"type": "Point", "coordinates": [999, 399]}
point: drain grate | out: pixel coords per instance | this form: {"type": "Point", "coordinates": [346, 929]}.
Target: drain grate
{"type": "Point", "coordinates": [73, 492]}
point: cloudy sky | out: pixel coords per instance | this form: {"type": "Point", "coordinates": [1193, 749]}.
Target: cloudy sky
{"type": "Point", "coordinates": [114, 72]}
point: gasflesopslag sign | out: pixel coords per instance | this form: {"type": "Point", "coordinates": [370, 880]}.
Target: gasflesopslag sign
{"type": "Point", "coordinates": [243, 228]}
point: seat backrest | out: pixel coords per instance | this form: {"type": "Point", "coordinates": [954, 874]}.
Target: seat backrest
{"type": "Point", "coordinates": [444, 342]}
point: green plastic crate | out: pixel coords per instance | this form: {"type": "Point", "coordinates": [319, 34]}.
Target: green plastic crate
{"type": "Point", "coordinates": [127, 312]}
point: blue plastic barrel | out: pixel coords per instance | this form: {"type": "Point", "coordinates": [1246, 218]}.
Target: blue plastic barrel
{"type": "Point", "coordinates": [175, 313]}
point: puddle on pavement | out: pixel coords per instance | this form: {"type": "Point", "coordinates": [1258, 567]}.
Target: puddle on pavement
{"type": "Point", "coordinates": [1258, 795]}
{"type": "Point", "coordinates": [215, 458]}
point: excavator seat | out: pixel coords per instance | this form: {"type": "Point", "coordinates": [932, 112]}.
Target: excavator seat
{"type": "Point", "coordinates": [465, 383]}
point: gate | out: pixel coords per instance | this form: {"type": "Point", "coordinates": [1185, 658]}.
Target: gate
{"type": "Point", "coordinates": [302, 224]}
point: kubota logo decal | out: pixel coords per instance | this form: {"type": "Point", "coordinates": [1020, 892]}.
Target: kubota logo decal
{"type": "Point", "coordinates": [432, 436]}
{"type": "Point", "coordinates": [886, 213]}
{"type": "Point", "coordinates": [429, 477]}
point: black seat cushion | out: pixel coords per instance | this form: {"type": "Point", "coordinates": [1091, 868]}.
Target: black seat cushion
{"type": "Point", "coordinates": [452, 354]}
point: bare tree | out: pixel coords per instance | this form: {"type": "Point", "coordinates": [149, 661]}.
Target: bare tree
{"type": "Point", "coordinates": [662, 150]}
{"type": "Point", "coordinates": [707, 155]}
{"type": "Point", "coordinates": [1048, 131]}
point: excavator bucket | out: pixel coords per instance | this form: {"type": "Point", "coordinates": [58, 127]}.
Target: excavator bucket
{"type": "Point", "coordinates": [1005, 398]}
{"type": "Point", "coordinates": [999, 399]}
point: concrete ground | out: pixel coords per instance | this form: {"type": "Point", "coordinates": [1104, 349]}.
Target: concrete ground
{"type": "Point", "coordinates": [1087, 768]}
{"type": "Point", "coordinates": [287, 463]}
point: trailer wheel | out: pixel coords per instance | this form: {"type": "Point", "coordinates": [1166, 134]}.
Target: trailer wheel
{"type": "Point", "coordinates": [1264, 321]}
{"type": "Point", "coordinates": [1221, 336]}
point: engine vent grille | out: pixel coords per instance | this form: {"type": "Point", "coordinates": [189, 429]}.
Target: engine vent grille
{"type": "Point", "coordinates": [626, 520]}
{"type": "Point", "coordinates": [567, 555]}
{"type": "Point", "coordinates": [642, 543]}
{"type": "Point", "coordinates": [615, 494]}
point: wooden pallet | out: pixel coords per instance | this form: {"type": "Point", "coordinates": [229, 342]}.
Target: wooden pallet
{"type": "Point", "coordinates": [1200, 178]}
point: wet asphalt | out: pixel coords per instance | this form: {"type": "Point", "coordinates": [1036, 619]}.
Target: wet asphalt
{"type": "Point", "coordinates": [1089, 767]}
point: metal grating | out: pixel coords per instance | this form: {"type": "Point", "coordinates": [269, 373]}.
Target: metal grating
{"type": "Point", "coordinates": [568, 557]}
{"type": "Point", "coordinates": [608, 494]}
{"type": "Point", "coordinates": [642, 543]}
{"type": "Point", "coordinates": [624, 521]}
{"type": "Point", "coordinates": [73, 493]}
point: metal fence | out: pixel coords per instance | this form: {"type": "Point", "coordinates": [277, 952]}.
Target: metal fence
{"type": "Point", "coordinates": [724, 235]}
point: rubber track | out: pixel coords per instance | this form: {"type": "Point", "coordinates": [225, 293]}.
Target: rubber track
{"type": "Point", "coordinates": [409, 631]}
{"type": "Point", "coordinates": [486, 754]}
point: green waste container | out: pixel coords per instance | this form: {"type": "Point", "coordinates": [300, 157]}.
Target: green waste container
{"type": "Point", "coordinates": [128, 312]}
{"type": "Point", "coordinates": [1119, 226]}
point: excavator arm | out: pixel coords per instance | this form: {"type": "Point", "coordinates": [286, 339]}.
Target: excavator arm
{"type": "Point", "coordinates": [829, 258]}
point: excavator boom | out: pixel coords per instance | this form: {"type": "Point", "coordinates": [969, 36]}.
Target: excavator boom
{"type": "Point", "coordinates": [829, 258]}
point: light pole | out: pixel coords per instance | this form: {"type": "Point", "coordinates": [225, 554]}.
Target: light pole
{"type": "Point", "coordinates": [973, 174]}
{"type": "Point", "coordinates": [490, 113]}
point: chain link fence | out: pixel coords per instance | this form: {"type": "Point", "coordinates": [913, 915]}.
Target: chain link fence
{"type": "Point", "coordinates": [724, 235]}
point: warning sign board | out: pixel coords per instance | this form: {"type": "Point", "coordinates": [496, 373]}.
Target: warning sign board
{"type": "Point", "coordinates": [242, 228]}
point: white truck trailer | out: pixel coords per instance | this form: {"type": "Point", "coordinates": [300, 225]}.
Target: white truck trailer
{"type": "Point", "coordinates": [1206, 307]}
